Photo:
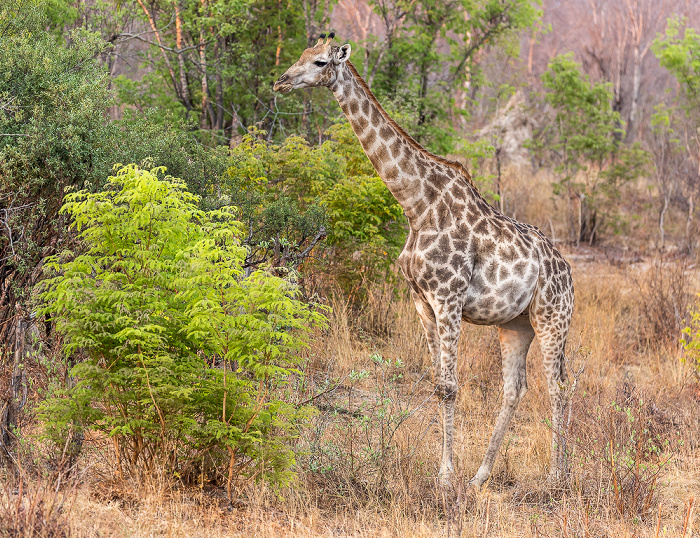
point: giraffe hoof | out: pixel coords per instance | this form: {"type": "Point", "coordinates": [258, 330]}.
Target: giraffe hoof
{"type": "Point", "coordinates": [446, 478]}
{"type": "Point", "coordinates": [479, 479]}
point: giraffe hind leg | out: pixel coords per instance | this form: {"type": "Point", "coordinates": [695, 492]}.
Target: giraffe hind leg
{"type": "Point", "coordinates": [552, 342]}
{"type": "Point", "coordinates": [515, 338]}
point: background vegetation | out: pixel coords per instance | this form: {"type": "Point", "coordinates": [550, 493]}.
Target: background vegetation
{"type": "Point", "coordinates": [202, 327]}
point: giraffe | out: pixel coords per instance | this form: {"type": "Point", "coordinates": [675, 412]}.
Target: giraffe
{"type": "Point", "coordinates": [463, 260]}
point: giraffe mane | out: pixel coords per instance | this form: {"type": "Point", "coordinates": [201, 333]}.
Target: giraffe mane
{"type": "Point", "coordinates": [457, 166]}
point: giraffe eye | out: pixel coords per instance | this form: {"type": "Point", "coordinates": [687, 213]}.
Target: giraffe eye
{"type": "Point", "coordinates": [320, 63]}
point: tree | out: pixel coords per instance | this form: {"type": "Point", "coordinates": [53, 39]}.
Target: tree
{"type": "Point", "coordinates": [584, 136]}
{"type": "Point", "coordinates": [56, 137]}
{"type": "Point", "coordinates": [184, 357]}
{"type": "Point", "coordinates": [679, 52]}
{"type": "Point", "coordinates": [416, 35]}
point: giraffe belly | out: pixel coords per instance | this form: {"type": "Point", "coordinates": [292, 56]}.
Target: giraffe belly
{"type": "Point", "coordinates": [491, 300]}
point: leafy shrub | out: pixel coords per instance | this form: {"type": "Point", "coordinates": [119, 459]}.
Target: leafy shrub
{"type": "Point", "coordinates": [184, 357]}
{"type": "Point", "coordinates": [289, 192]}
{"type": "Point", "coordinates": [691, 341]}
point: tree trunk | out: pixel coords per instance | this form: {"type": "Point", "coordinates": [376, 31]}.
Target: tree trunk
{"type": "Point", "coordinates": [219, 86]}
{"type": "Point", "coordinates": [17, 397]}
{"type": "Point", "coordinates": [662, 220]}
{"type": "Point", "coordinates": [186, 99]}
{"type": "Point", "coordinates": [689, 243]}
{"type": "Point", "coordinates": [636, 81]}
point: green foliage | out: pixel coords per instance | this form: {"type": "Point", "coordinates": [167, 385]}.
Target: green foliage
{"type": "Point", "coordinates": [691, 342]}
{"type": "Point", "coordinates": [416, 48]}
{"type": "Point", "coordinates": [277, 188]}
{"type": "Point", "coordinates": [586, 128]}
{"type": "Point", "coordinates": [156, 138]}
{"type": "Point", "coordinates": [184, 357]}
{"type": "Point", "coordinates": [367, 221]}
{"type": "Point", "coordinates": [679, 52]}
{"type": "Point", "coordinates": [584, 137]}
{"type": "Point", "coordinates": [289, 192]}
{"type": "Point", "coordinates": [55, 136]}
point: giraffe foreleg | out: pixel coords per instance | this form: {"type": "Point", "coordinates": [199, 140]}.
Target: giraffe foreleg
{"type": "Point", "coordinates": [515, 338]}
{"type": "Point", "coordinates": [448, 319]}
{"type": "Point", "coordinates": [427, 319]}
{"type": "Point", "coordinates": [444, 377]}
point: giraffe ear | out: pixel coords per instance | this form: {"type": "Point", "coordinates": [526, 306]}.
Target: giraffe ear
{"type": "Point", "coordinates": [342, 54]}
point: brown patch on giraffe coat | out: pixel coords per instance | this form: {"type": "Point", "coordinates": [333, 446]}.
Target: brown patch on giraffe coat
{"type": "Point", "coordinates": [369, 139]}
{"type": "Point", "coordinates": [547, 268]}
{"type": "Point", "coordinates": [407, 166]}
{"type": "Point", "coordinates": [391, 174]}
{"type": "Point", "coordinates": [482, 227]}
{"type": "Point", "coordinates": [490, 272]}
{"type": "Point", "coordinates": [360, 124]}
{"type": "Point", "coordinates": [503, 273]}
{"type": "Point", "coordinates": [460, 245]}
{"type": "Point", "coordinates": [472, 217]}
{"type": "Point", "coordinates": [365, 108]}
{"type": "Point", "coordinates": [444, 215]}
{"type": "Point", "coordinates": [421, 166]}
{"type": "Point", "coordinates": [354, 106]}
{"type": "Point", "coordinates": [438, 180]}
{"type": "Point", "coordinates": [386, 133]}
{"type": "Point", "coordinates": [375, 117]}
{"type": "Point", "coordinates": [419, 208]}
{"type": "Point", "coordinates": [457, 261]}
{"type": "Point", "coordinates": [379, 158]}
{"type": "Point", "coordinates": [425, 240]}
{"type": "Point", "coordinates": [519, 269]}
{"type": "Point", "coordinates": [503, 234]}
{"type": "Point", "coordinates": [458, 192]}
{"type": "Point", "coordinates": [444, 274]}
{"type": "Point", "coordinates": [508, 253]}
{"type": "Point", "coordinates": [458, 286]}
{"type": "Point", "coordinates": [430, 194]}
{"type": "Point", "coordinates": [395, 148]}
{"type": "Point", "coordinates": [510, 290]}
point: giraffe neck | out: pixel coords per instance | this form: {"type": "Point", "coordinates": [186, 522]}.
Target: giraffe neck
{"type": "Point", "coordinates": [413, 174]}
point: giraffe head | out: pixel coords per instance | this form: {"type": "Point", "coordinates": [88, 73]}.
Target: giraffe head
{"type": "Point", "coordinates": [317, 66]}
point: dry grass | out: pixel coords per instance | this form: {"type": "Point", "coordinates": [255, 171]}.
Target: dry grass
{"type": "Point", "coordinates": [368, 461]}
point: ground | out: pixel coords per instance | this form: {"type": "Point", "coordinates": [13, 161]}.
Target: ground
{"type": "Point", "coordinates": [368, 462]}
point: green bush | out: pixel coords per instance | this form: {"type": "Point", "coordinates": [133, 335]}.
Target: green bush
{"type": "Point", "coordinates": [287, 192]}
{"type": "Point", "coordinates": [183, 358]}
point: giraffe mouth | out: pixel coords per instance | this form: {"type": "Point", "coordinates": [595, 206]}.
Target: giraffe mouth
{"type": "Point", "coordinates": [283, 84]}
{"type": "Point", "coordinates": [283, 88]}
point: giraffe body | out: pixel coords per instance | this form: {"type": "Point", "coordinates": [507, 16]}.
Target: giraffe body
{"type": "Point", "coordinates": [463, 260]}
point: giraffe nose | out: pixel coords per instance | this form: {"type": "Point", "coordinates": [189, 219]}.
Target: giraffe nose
{"type": "Point", "coordinates": [281, 86]}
